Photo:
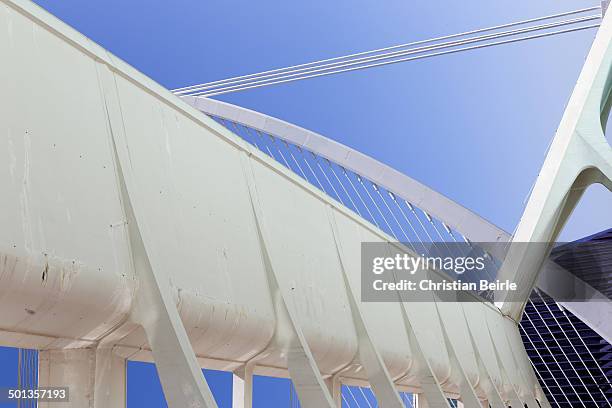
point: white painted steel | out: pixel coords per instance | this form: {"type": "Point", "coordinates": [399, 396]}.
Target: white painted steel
{"type": "Point", "coordinates": [579, 156]}
{"type": "Point", "coordinates": [121, 202]}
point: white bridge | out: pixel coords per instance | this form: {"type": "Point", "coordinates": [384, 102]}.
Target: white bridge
{"type": "Point", "coordinates": [135, 226]}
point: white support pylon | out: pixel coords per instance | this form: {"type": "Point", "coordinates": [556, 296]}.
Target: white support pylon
{"type": "Point", "coordinates": [578, 157]}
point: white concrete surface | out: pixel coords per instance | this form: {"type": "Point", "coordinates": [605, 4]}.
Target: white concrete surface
{"type": "Point", "coordinates": [133, 222]}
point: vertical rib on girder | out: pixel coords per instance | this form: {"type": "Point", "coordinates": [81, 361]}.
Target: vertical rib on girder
{"type": "Point", "coordinates": [301, 364]}
{"type": "Point", "coordinates": [182, 380]}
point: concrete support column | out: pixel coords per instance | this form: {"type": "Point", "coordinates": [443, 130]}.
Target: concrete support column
{"type": "Point", "coordinates": [420, 401]}
{"type": "Point", "coordinates": [95, 379]}
{"type": "Point", "coordinates": [68, 368]}
{"type": "Point", "coordinates": [242, 388]}
{"type": "Point", "coordinates": [110, 387]}
{"type": "Point", "coordinates": [238, 387]}
{"type": "Point", "coordinates": [335, 388]}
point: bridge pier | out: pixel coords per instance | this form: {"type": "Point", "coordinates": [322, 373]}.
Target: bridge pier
{"type": "Point", "coordinates": [110, 383]}
{"type": "Point", "coordinates": [420, 401]}
{"type": "Point", "coordinates": [335, 388]}
{"type": "Point", "coordinates": [242, 388]}
{"type": "Point", "coordinates": [238, 392]}
{"type": "Point", "coordinates": [96, 378]}
{"type": "Point", "coordinates": [73, 368]}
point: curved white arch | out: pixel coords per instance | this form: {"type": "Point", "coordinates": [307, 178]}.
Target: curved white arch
{"type": "Point", "coordinates": [459, 218]}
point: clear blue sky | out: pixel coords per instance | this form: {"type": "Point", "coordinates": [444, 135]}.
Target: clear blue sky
{"type": "Point", "coordinates": [474, 126]}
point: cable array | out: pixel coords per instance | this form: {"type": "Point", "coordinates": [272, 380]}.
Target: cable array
{"type": "Point", "coordinates": [27, 376]}
{"type": "Point", "coordinates": [540, 27]}
{"type": "Point", "coordinates": [567, 356]}
{"type": "Point", "coordinates": [383, 208]}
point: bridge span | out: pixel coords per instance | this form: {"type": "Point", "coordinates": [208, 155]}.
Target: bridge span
{"type": "Point", "coordinates": [134, 226]}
